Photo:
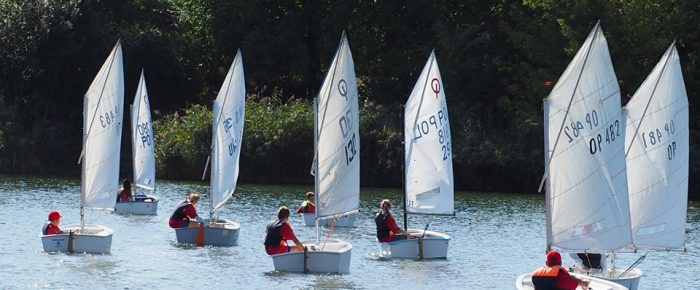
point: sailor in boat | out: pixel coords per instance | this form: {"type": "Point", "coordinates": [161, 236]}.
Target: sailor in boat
{"type": "Point", "coordinates": [387, 230]}
{"type": "Point", "coordinates": [589, 262]}
{"type": "Point", "coordinates": [553, 276]}
{"type": "Point", "coordinates": [308, 205]}
{"type": "Point", "coordinates": [185, 213]}
{"type": "Point", "coordinates": [277, 234]}
{"type": "Point", "coordinates": [52, 226]}
{"type": "Point", "coordinates": [125, 195]}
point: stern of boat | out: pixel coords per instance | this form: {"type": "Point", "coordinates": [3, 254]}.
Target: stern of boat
{"type": "Point", "coordinates": [94, 239]}
{"type": "Point", "coordinates": [222, 233]}
{"type": "Point", "coordinates": [332, 257]}
{"type": "Point", "coordinates": [434, 245]}
{"type": "Point", "coordinates": [139, 206]}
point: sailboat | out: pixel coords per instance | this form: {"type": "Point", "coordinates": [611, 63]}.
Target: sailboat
{"type": "Point", "coordinates": [586, 196]}
{"type": "Point", "coordinates": [227, 138]}
{"type": "Point", "coordinates": [336, 167]}
{"type": "Point", "coordinates": [429, 183]}
{"type": "Point", "coordinates": [143, 157]}
{"type": "Point", "coordinates": [99, 159]}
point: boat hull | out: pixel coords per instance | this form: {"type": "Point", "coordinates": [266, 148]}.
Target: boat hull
{"type": "Point", "coordinates": [343, 221]}
{"type": "Point", "coordinates": [147, 205]}
{"type": "Point", "coordinates": [524, 282]}
{"type": "Point", "coordinates": [434, 246]}
{"type": "Point", "coordinates": [223, 233]}
{"type": "Point", "coordinates": [334, 257]}
{"type": "Point", "coordinates": [95, 239]}
{"type": "Point", "coordinates": [629, 280]}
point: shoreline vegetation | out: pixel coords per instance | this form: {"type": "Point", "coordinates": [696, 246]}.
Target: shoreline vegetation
{"type": "Point", "coordinates": [498, 59]}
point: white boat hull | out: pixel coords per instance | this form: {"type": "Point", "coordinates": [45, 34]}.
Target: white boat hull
{"type": "Point", "coordinates": [629, 280]}
{"type": "Point", "coordinates": [223, 233]}
{"type": "Point", "coordinates": [434, 246]}
{"type": "Point", "coordinates": [94, 239]}
{"type": "Point", "coordinates": [334, 257]}
{"type": "Point", "coordinates": [149, 206]}
{"type": "Point", "coordinates": [342, 221]}
{"type": "Point", "coordinates": [524, 282]}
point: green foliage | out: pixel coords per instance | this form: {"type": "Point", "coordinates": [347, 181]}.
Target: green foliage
{"type": "Point", "coordinates": [494, 57]}
{"type": "Point", "coordinates": [183, 142]}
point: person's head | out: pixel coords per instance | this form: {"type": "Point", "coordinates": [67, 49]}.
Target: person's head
{"type": "Point", "coordinates": [385, 205]}
{"type": "Point", "coordinates": [54, 217]}
{"type": "Point", "coordinates": [553, 259]}
{"type": "Point", "coordinates": [193, 197]}
{"type": "Point", "coordinates": [309, 195]}
{"type": "Point", "coordinates": [283, 213]}
{"type": "Point", "coordinates": [126, 184]}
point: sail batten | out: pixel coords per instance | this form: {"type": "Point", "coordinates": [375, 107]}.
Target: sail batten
{"type": "Point", "coordinates": [429, 186]}
{"type": "Point", "coordinates": [657, 161]}
{"type": "Point", "coordinates": [102, 128]}
{"type": "Point", "coordinates": [229, 118]}
{"type": "Point", "coordinates": [587, 196]}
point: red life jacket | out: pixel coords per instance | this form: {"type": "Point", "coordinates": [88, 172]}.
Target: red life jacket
{"type": "Point", "coordinates": [50, 229]}
{"type": "Point", "coordinates": [545, 278]}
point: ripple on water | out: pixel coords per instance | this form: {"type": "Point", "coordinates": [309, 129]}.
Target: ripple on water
{"type": "Point", "coordinates": [495, 238]}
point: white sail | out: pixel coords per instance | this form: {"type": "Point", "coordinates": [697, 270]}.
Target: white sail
{"type": "Point", "coordinates": [102, 131]}
{"type": "Point", "coordinates": [142, 139]}
{"type": "Point", "coordinates": [428, 151]}
{"type": "Point", "coordinates": [657, 161]}
{"type": "Point", "coordinates": [588, 207]}
{"type": "Point", "coordinates": [338, 144]}
{"type": "Point", "coordinates": [227, 135]}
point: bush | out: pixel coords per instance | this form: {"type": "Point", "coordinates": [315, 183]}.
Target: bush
{"type": "Point", "coordinates": [183, 141]}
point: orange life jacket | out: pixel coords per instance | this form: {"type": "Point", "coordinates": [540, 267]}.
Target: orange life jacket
{"type": "Point", "coordinates": [545, 278]}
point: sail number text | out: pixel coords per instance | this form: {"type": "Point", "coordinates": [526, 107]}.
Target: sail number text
{"type": "Point", "coordinates": [144, 131]}
{"type": "Point", "coordinates": [612, 132]}
{"type": "Point", "coordinates": [107, 119]}
{"type": "Point", "coordinates": [656, 136]}
{"type": "Point", "coordinates": [346, 127]}
{"type": "Point", "coordinates": [228, 124]}
{"type": "Point", "coordinates": [435, 124]}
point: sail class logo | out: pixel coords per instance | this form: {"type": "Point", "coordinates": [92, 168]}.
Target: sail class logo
{"type": "Point", "coordinates": [343, 88]}
{"type": "Point", "coordinates": [435, 85]}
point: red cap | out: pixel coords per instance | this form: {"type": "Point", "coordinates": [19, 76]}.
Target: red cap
{"type": "Point", "coordinates": [54, 215]}
{"type": "Point", "coordinates": [553, 258]}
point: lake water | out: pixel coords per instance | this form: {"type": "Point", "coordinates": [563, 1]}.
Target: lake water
{"type": "Point", "coordinates": [495, 238]}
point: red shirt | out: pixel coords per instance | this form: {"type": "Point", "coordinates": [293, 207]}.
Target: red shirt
{"type": "Point", "coordinates": [53, 230]}
{"type": "Point", "coordinates": [124, 195]}
{"type": "Point", "coordinates": [287, 234]}
{"type": "Point", "coordinates": [189, 211]}
{"type": "Point", "coordinates": [393, 228]}
{"type": "Point", "coordinates": [566, 281]}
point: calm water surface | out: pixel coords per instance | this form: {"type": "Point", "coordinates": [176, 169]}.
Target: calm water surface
{"type": "Point", "coordinates": [495, 237]}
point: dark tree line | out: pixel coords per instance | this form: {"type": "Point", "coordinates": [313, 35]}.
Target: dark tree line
{"type": "Point", "coordinates": [494, 57]}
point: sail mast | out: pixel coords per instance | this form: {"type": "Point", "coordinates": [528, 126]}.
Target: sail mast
{"type": "Point", "coordinates": [316, 195]}
{"type": "Point", "coordinates": [573, 93]}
